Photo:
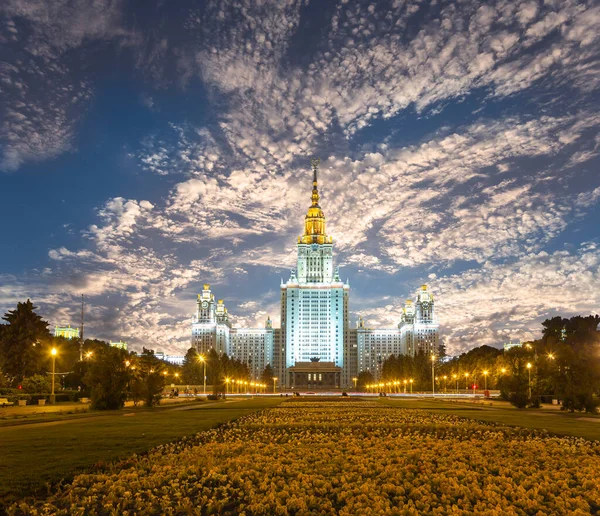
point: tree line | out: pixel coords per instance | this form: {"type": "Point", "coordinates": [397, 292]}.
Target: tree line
{"type": "Point", "coordinates": [563, 364]}
{"type": "Point", "coordinates": [108, 375]}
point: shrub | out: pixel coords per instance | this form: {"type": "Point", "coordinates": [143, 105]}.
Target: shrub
{"type": "Point", "coordinates": [212, 397]}
{"type": "Point", "coordinates": [581, 402]}
{"type": "Point", "coordinates": [518, 399]}
{"type": "Point", "coordinates": [36, 383]}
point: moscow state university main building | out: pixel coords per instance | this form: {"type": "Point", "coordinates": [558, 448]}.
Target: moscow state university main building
{"type": "Point", "coordinates": [315, 348]}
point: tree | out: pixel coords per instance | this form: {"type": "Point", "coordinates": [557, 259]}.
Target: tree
{"type": "Point", "coordinates": [107, 379]}
{"type": "Point", "coordinates": [214, 372]}
{"type": "Point", "coordinates": [192, 370]}
{"type": "Point", "coordinates": [363, 379]}
{"type": "Point", "coordinates": [516, 386]}
{"type": "Point", "coordinates": [149, 379]}
{"type": "Point", "coordinates": [24, 343]}
{"type": "Point", "coordinates": [267, 375]}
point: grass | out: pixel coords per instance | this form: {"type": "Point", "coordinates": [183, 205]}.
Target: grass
{"type": "Point", "coordinates": [554, 421]}
{"type": "Point", "coordinates": [37, 456]}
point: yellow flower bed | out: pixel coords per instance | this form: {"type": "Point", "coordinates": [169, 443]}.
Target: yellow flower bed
{"type": "Point", "coordinates": [346, 458]}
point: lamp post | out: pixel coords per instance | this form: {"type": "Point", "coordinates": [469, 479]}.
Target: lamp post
{"type": "Point", "coordinates": [455, 376]}
{"type": "Point", "coordinates": [433, 373]}
{"type": "Point", "coordinates": [529, 378]}
{"type": "Point", "coordinates": [52, 396]}
{"type": "Point", "coordinates": [445, 384]}
{"type": "Point", "coordinates": [227, 380]}
{"type": "Point", "coordinates": [202, 359]}
{"type": "Point", "coordinates": [274, 382]}
{"type": "Point", "coordinates": [355, 380]}
{"type": "Point", "coordinates": [411, 382]}
{"type": "Point", "coordinates": [485, 373]}
{"type": "Point", "coordinates": [466, 381]}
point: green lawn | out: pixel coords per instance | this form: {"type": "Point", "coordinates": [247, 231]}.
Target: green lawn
{"type": "Point", "coordinates": [555, 421]}
{"type": "Point", "coordinates": [37, 455]}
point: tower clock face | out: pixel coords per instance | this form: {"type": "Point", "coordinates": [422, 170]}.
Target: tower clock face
{"type": "Point", "coordinates": [315, 247]}
{"type": "Point", "coordinates": [425, 305]}
{"type": "Point", "coordinates": [204, 304]}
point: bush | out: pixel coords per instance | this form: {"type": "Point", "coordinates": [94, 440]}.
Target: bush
{"type": "Point", "coordinates": [581, 402]}
{"type": "Point", "coordinates": [212, 397]}
{"type": "Point", "coordinates": [344, 393]}
{"type": "Point", "coordinates": [8, 391]}
{"type": "Point", "coordinates": [518, 399]}
{"type": "Point", "coordinates": [37, 383]}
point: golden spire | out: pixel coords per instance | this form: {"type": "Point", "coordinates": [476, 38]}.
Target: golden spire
{"type": "Point", "coordinates": [314, 222]}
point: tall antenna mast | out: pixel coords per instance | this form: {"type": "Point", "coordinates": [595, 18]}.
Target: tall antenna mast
{"type": "Point", "coordinates": [81, 333]}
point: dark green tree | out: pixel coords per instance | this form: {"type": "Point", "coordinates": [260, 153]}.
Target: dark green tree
{"type": "Point", "coordinates": [25, 343]}
{"type": "Point", "coordinates": [364, 378]}
{"type": "Point", "coordinates": [214, 372]}
{"type": "Point", "coordinates": [150, 377]}
{"type": "Point", "coordinates": [515, 388]}
{"type": "Point", "coordinates": [107, 378]}
{"type": "Point", "coordinates": [192, 370]}
{"type": "Point", "coordinates": [267, 375]}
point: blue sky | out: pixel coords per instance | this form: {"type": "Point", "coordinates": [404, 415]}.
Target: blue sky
{"type": "Point", "coordinates": [147, 148]}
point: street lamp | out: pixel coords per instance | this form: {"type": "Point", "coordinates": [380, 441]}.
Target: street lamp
{"type": "Point", "coordinates": [529, 377]}
{"type": "Point", "coordinates": [274, 382]}
{"type": "Point", "coordinates": [455, 376]}
{"type": "Point", "coordinates": [404, 386]}
{"type": "Point", "coordinates": [88, 355]}
{"type": "Point", "coordinates": [445, 384]}
{"type": "Point", "coordinates": [355, 380]}
{"type": "Point", "coordinates": [202, 359]}
{"type": "Point", "coordinates": [227, 380]}
{"type": "Point", "coordinates": [485, 373]}
{"type": "Point", "coordinates": [53, 353]}
{"type": "Point", "coordinates": [466, 381]}
{"type": "Point", "coordinates": [411, 382]}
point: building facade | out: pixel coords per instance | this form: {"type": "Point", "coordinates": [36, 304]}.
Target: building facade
{"type": "Point", "coordinates": [315, 346]}
{"type": "Point", "coordinates": [120, 344]}
{"type": "Point", "coordinates": [66, 331]}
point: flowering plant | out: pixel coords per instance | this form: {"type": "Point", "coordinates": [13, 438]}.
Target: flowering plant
{"type": "Point", "coordinates": [345, 458]}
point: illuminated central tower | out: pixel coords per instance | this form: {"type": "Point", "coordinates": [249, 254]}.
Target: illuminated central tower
{"type": "Point", "coordinates": [314, 301]}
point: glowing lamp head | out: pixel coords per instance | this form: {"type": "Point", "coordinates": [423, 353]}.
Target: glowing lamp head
{"type": "Point", "coordinates": [53, 352]}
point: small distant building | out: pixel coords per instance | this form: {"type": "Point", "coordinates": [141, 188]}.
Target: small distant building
{"type": "Point", "coordinates": [119, 345]}
{"type": "Point", "coordinates": [171, 359]}
{"type": "Point", "coordinates": [66, 331]}
{"type": "Point", "coordinates": [510, 344]}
